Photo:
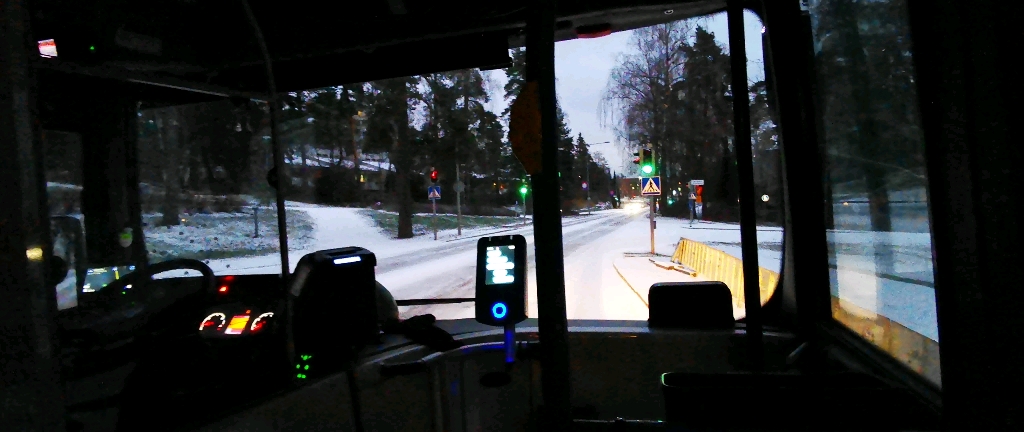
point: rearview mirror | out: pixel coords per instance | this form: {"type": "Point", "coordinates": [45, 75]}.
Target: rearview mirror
{"type": "Point", "coordinates": [58, 270]}
{"type": "Point", "coordinates": [67, 268]}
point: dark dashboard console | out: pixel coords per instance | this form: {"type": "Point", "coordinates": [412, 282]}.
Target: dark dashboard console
{"type": "Point", "coordinates": [333, 304]}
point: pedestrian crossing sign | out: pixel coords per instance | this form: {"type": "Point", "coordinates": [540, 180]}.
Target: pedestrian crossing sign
{"type": "Point", "coordinates": [650, 186]}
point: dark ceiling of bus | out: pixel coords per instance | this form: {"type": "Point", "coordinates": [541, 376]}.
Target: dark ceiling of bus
{"type": "Point", "coordinates": [315, 44]}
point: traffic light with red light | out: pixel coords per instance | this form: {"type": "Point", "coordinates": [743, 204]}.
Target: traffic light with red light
{"type": "Point", "coordinates": [433, 176]}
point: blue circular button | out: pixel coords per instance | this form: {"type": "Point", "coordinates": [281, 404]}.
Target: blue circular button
{"type": "Point", "coordinates": [499, 310]}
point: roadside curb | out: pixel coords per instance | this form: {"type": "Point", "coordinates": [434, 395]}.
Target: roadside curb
{"type": "Point", "coordinates": [619, 272]}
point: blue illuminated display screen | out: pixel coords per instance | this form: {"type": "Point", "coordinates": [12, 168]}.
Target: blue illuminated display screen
{"type": "Point", "coordinates": [98, 278]}
{"type": "Point", "coordinates": [500, 264]}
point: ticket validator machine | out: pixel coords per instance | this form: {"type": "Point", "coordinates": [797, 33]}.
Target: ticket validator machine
{"type": "Point", "coordinates": [501, 293]}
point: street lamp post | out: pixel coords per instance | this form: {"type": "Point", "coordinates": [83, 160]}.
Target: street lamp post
{"type": "Point", "coordinates": [588, 176]}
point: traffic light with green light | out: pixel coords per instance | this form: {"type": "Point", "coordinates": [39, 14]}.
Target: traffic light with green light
{"type": "Point", "coordinates": [646, 162]}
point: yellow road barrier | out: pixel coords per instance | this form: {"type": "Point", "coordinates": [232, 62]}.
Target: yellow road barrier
{"type": "Point", "coordinates": [713, 264]}
{"type": "Point", "coordinates": [913, 349]}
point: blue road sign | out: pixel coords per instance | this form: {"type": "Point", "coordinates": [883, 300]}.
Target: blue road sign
{"type": "Point", "coordinates": [650, 186]}
{"type": "Point", "coordinates": [434, 192]}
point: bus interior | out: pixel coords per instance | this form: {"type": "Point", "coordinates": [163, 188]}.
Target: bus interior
{"type": "Point", "coordinates": [261, 216]}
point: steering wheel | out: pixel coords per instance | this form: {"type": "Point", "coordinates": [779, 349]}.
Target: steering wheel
{"type": "Point", "coordinates": [117, 317]}
{"type": "Point", "coordinates": [146, 275]}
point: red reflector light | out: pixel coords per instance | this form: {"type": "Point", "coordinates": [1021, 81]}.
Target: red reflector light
{"type": "Point", "coordinates": [593, 31]}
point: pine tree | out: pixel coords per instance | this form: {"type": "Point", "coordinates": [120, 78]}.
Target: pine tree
{"type": "Point", "coordinates": [388, 130]}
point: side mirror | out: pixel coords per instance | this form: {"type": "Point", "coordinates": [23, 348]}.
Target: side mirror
{"type": "Point", "coordinates": [68, 254]}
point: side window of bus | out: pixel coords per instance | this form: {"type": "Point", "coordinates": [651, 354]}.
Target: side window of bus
{"type": "Point", "coordinates": [63, 172]}
{"type": "Point", "coordinates": [878, 228]}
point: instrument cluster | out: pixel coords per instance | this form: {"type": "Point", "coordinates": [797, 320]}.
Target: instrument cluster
{"type": "Point", "coordinates": [243, 306]}
{"type": "Point", "coordinates": [231, 322]}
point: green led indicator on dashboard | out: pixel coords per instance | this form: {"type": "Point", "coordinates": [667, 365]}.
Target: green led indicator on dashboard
{"type": "Point", "coordinates": [302, 367]}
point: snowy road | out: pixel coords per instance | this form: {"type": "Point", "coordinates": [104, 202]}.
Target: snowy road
{"type": "Point", "coordinates": [593, 290]}
{"type": "Point", "coordinates": [424, 268]}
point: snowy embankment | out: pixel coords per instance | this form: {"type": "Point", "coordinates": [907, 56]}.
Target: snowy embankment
{"type": "Point", "coordinates": [886, 273]}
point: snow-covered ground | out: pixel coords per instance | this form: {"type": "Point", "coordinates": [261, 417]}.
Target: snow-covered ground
{"type": "Point", "coordinates": [336, 227]}
{"type": "Point", "coordinates": [895, 281]}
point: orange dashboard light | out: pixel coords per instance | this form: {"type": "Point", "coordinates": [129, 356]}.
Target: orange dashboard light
{"type": "Point", "coordinates": [237, 324]}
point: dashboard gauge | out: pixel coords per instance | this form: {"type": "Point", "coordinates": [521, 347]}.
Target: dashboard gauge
{"type": "Point", "coordinates": [214, 321]}
{"type": "Point", "coordinates": [261, 321]}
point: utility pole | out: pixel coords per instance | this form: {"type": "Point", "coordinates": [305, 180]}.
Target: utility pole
{"type": "Point", "coordinates": [652, 225]}
{"type": "Point", "coordinates": [458, 196]}
{"type": "Point", "coordinates": [433, 199]}
{"type": "Point", "coordinates": [352, 121]}
{"type": "Point", "coordinates": [587, 162]}
{"type": "Point", "coordinates": [459, 185]}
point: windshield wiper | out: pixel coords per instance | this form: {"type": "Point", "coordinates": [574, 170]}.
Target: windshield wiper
{"type": "Point", "coordinates": [421, 302]}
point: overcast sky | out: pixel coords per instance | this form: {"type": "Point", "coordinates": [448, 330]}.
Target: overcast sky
{"type": "Point", "coordinates": [582, 68]}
